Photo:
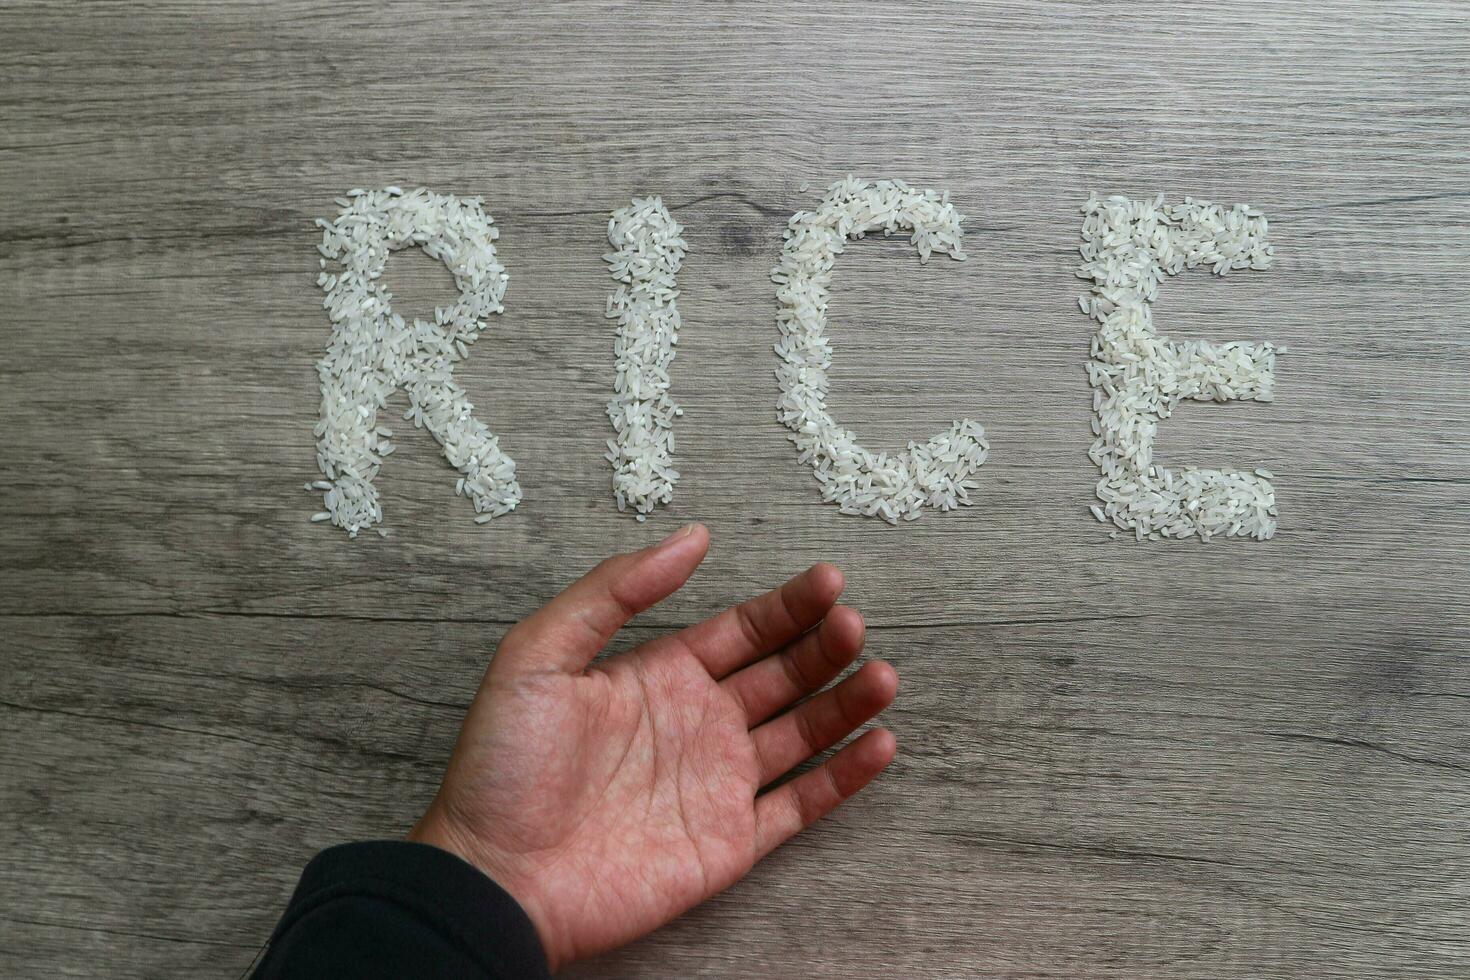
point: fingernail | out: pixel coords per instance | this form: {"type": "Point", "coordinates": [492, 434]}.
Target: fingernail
{"type": "Point", "coordinates": [683, 532]}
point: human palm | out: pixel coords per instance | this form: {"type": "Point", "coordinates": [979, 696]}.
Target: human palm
{"type": "Point", "coordinates": [608, 799]}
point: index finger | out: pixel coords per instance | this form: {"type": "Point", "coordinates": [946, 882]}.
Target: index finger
{"type": "Point", "coordinates": [765, 624]}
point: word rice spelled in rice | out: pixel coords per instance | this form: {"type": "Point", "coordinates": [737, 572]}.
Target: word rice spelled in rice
{"type": "Point", "coordinates": [648, 251]}
{"type": "Point", "coordinates": [373, 351]}
{"type": "Point", "coordinates": [1138, 377]}
{"type": "Point", "coordinates": [861, 482]}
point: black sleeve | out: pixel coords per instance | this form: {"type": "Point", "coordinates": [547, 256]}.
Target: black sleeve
{"type": "Point", "coordinates": [396, 909]}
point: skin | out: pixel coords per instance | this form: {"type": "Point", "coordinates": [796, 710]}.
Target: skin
{"type": "Point", "coordinates": [608, 798]}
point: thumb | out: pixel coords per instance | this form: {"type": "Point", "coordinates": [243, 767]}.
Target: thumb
{"type": "Point", "coordinates": [567, 632]}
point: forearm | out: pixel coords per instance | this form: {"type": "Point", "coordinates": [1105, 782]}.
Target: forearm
{"type": "Point", "coordinates": [397, 909]}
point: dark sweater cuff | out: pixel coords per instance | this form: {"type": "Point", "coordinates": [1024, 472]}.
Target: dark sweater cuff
{"type": "Point", "coordinates": [446, 893]}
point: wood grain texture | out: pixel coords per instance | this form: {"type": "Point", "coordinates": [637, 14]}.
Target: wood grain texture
{"type": "Point", "coordinates": [1169, 760]}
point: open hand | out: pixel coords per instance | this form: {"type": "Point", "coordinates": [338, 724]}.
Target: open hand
{"type": "Point", "coordinates": [607, 799]}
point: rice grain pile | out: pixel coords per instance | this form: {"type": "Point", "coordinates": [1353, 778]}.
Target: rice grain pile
{"type": "Point", "coordinates": [647, 253]}
{"type": "Point", "coordinates": [1138, 377]}
{"type": "Point", "coordinates": [890, 487]}
{"type": "Point", "coordinates": [373, 351]}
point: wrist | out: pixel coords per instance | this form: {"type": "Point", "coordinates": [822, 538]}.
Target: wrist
{"type": "Point", "coordinates": [438, 830]}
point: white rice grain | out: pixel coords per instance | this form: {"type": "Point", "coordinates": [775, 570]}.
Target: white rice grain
{"type": "Point", "coordinates": [647, 252]}
{"type": "Point", "coordinates": [1139, 377]}
{"type": "Point", "coordinates": [890, 487]}
{"type": "Point", "coordinates": [374, 351]}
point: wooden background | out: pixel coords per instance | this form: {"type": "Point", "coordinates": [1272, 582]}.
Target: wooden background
{"type": "Point", "coordinates": [1116, 760]}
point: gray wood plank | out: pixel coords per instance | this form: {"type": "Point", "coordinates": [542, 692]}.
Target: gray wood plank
{"type": "Point", "coordinates": [1115, 760]}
